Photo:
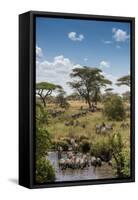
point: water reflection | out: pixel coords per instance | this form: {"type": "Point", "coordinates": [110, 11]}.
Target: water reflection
{"type": "Point", "coordinates": [105, 171]}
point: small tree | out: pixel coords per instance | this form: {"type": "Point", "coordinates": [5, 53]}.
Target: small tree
{"type": "Point", "coordinates": [121, 156]}
{"type": "Point", "coordinates": [114, 108]}
{"type": "Point", "coordinates": [45, 89]}
{"type": "Point", "coordinates": [61, 99]}
{"type": "Point", "coordinates": [44, 171]}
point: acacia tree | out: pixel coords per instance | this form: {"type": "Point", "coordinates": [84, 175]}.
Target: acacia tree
{"type": "Point", "coordinates": [124, 80]}
{"type": "Point", "coordinates": [44, 89]}
{"type": "Point", "coordinates": [96, 96]}
{"type": "Point", "coordinates": [108, 90]}
{"type": "Point", "coordinates": [89, 83]}
{"type": "Point", "coordinates": [61, 100]}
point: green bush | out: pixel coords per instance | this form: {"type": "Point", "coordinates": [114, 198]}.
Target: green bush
{"type": "Point", "coordinates": [121, 157]}
{"type": "Point", "coordinates": [101, 148]}
{"type": "Point", "coordinates": [62, 143]}
{"type": "Point", "coordinates": [43, 141]}
{"type": "Point", "coordinates": [85, 146]}
{"type": "Point", "coordinates": [114, 108]}
{"type": "Point", "coordinates": [44, 171]}
{"type": "Point", "coordinates": [126, 169]}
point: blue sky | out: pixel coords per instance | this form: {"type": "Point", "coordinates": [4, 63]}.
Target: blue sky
{"type": "Point", "coordinates": [62, 44]}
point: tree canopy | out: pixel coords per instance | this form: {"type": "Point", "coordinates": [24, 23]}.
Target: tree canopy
{"type": "Point", "coordinates": [124, 80]}
{"type": "Point", "coordinates": [108, 90]}
{"type": "Point", "coordinates": [114, 108]}
{"type": "Point", "coordinates": [88, 83]}
{"type": "Point", "coordinates": [44, 89]}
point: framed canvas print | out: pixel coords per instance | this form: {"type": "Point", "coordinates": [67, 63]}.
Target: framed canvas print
{"type": "Point", "coordinates": [76, 99]}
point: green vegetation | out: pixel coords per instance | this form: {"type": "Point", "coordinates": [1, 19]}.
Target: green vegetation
{"type": "Point", "coordinates": [102, 148]}
{"type": "Point", "coordinates": [125, 80]}
{"type": "Point", "coordinates": [60, 118]}
{"type": "Point", "coordinates": [114, 108]}
{"type": "Point", "coordinates": [44, 170]}
{"type": "Point", "coordinates": [61, 100]}
{"type": "Point", "coordinates": [113, 148]}
{"type": "Point", "coordinates": [45, 89]}
{"type": "Point", "coordinates": [89, 84]}
{"type": "Point", "coordinates": [85, 146]}
{"type": "Point", "coordinates": [121, 156]}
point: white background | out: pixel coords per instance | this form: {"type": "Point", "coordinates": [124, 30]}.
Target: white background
{"type": "Point", "coordinates": [9, 10]}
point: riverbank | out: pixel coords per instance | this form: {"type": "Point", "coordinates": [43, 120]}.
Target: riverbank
{"type": "Point", "coordinates": [88, 173]}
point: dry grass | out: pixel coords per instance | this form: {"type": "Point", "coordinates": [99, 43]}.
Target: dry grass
{"type": "Point", "coordinates": [59, 130]}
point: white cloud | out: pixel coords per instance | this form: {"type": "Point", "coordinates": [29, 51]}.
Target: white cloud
{"type": "Point", "coordinates": [39, 53]}
{"type": "Point", "coordinates": [120, 35]}
{"type": "Point", "coordinates": [75, 37]}
{"type": "Point", "coordinates": [58, 71]}
{"type": "Point", "coordinates": [104, 63]}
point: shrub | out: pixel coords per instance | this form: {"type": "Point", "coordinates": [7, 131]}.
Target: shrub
{"type": "Point", "coordinates": [43, 141]}
{"type": "Point", "coordinates": [101, 148]}
{"type": "Point", "coordinates": [63, 143]}
{"type": "Point", "coordinates": [121, 157]}
{"type": "Point", "coordinates": [44, 171]}
{"type": "Point", "coordinates": [114, 108]}
{"type": "Point", "coordinates": [85, 146]}
{"type": "Point", "coordinates": [126, 169]}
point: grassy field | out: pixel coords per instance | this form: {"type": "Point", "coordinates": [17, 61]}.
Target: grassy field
{"type": "Point", "coordinates": [59, 130]}
{"type": "Point", "coordinates": [111, 146]}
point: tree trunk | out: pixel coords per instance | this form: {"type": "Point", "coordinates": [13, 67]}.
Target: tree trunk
{"type": "Point", "coordinates": [89, 101]}
{"type": "Point", "coordinates": [44, 102]}
{"type": "Point", "coordinates": [43, 99]}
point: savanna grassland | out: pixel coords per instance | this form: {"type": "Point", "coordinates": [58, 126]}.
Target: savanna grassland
{"type": "Point", "coordinates": [84, 132]}
{"type": "Point", "coordinates": [88, 129]}
{"type": "Point", "coordinates": [59, 130]}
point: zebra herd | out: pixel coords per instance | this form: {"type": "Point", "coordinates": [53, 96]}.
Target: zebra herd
{"type": "Point", "coordinates": [74, 159]}
{"type": "Point", "coordinates": [83, 112]}
{"type": "Point", "coordinates": [105, 128]}
{"type": "Point", "coordinates": [79, 161]}
{"type": "Point", "coordinates": [55, 113]}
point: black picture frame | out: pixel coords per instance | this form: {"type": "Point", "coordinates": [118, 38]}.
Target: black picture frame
{"type": "Point", "coordinates": [27, 97]}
